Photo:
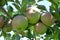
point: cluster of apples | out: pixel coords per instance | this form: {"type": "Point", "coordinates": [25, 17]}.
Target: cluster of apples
{"type": "Point", "coordinates": [32, 16]}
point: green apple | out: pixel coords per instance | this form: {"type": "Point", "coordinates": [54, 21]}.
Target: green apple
{"type": "Point", "coordinates": [19, 23]}
{"type": "Point", "coordinates": [40, 28]}
{"type": "Point", "coordinates": [32, 15]}
{"type": "Point", "coordinates": [47, 19]}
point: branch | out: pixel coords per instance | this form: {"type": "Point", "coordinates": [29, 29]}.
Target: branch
{"type": "Point", "coordinates": [5, 12]}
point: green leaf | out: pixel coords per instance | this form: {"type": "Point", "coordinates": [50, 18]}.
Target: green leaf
{"type": "Point", "coordinates": [1, 13]}
{"type": "Point", "coordinates": [32, 30]}
{"type": "Point", "coordinates": [57, 16]}
{"type": "Point", "coordinates": [29, 34]}
{"type": "Point", "coordinates": [17, 1]}
{"type": "Point", "coordinates": [42, 7]}
{"type": "Point", "coordinates": [59, 2]}
{"type": "Point", "coordinates": [10, 0]}
{"type": "Point", "coordinates": [55, 2]}
{"type": "Point", "coordinates": [24, 5]}
{"type": "Point", "coordinates": [13, 37]}
{"type": "Point", "coordinates": [58, 9]}
{"type": "Point", "coordinates": [4, 34]}
{"type": "Point", "coordinates": [8, 37]}
{"type": "Point", "coordinates": [55, 36]}
{"type": "Point", "coordinates": [10, 10]}
{"type": "Point", "coordinates": [17, 6]}
{"type": "Point", "coordinates": [47, 37]}
{"type": "Point", "coordinates": [2, 2]}
{"type": "Point", "coordinates": [31, 2]}
{"type": "Point", "coordinates": [59, 36]}
{"type": "Point", "coordinates": [39, 0]}
{"type": "Point", "coordinates": [55, 27]}
{"type": "Point", "coordinates": [17, 37]}
{"type": "Point", "coordinates": [49, 31]}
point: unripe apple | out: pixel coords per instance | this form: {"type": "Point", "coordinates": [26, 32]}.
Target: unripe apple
{"type": "Point", "coordinates": [19, 23]}
{"type": "Point", "coordinates": [47, 19]}
{"type": "Point", "coordinates": [1, 21]}
{"type": "Point", "coordinates": [7, 28]}
{"type": "Point", "coordinates": [40, 28]}
{"type": "Point", "coordinates": [33, 15]}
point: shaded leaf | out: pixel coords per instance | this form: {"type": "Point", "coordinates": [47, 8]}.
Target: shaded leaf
{"type": "Point", "coordinates": [17, 37]}
{"type": "Point", "coordinates": [8, 37]}
{"type": "Point", "coordinates": [57, 16]}
{"type": "Point", "coordinates": [10, 10]}
{"type": "Point", "coordinates": [42, 7]}
{"type": "Point", "coordinates": [55, 2]}
{"type": "Point", "coordinates": [17, 6]}
{"type": "Point", "coordinates": [17, 1]}
{"type": "Point", "coordinates": [29, 34]}
{"type": "Point", "coordinates": [31, 2]}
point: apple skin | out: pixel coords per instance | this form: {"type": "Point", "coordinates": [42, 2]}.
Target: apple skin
{"type": "Point", "coordinates": [19, 23]}
{"type": "Point", "coordinates": [7, 28]}
{"type": "Point", "coordinates": [47, 19]}
{"type": "Point", "coordinates": [32, 15]}
{"type": "Point", "coordinates": [1, 21]}
{"type": "Point", "coordinates": [40, 28]}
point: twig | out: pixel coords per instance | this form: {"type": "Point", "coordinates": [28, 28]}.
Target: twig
{"type": "Point", "coordinates": [5, 12]}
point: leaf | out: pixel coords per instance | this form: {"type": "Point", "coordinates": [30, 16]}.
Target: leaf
{"type": "Point", "coordinates": [55, 36]}
{"type": "Point", "coordinates": [13, 37]}
{"type": "Point", "coordinates": [53, 8]}
{"type": "Point", "coordinates": [59, 2]}
{"type": "Point", "coordinates": [8, 37]}
{"type": "Point", "coordinates": [17, 6]}
{"type": "Point", "coordinates": [29, 34]}
{"type": "Point", "coordinates": [58, 9]}
{"type": "Point", "coordinates": [17, 37]}
{"type": "Point", "coordinates": [49, 31]}
{"type": "Point", "coordinates": [10, 0]}
{"type": "Point", "coordinates": [57, 16]}
{"type": "Point", "coordinates": [4, 34]}
{"type": "Point", "coordinates": [31, 2]}
{"type": "Point", "coordinates": [39, 0]}
{"type": "Point", "coordinates": [59, 36]}
{"type": "Point", "coordinates": [10, 10]}
{"type": "Point", "coordinates": [42, 7]}
{"type": "Point", "coordinates": [32, 31]}
{"type": "Point", "coordinates": [55, 27]}
{"type": "Point", "coordinates": [55, 2]}
{"type": "Point", "coordinates": [24, 5]}
{"type": "Point", "coordinates": [47, 37]}
{"type": "Point", "coordinates": [1, 13]}
{"type": "Point", "coordinates": [17, 1]}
